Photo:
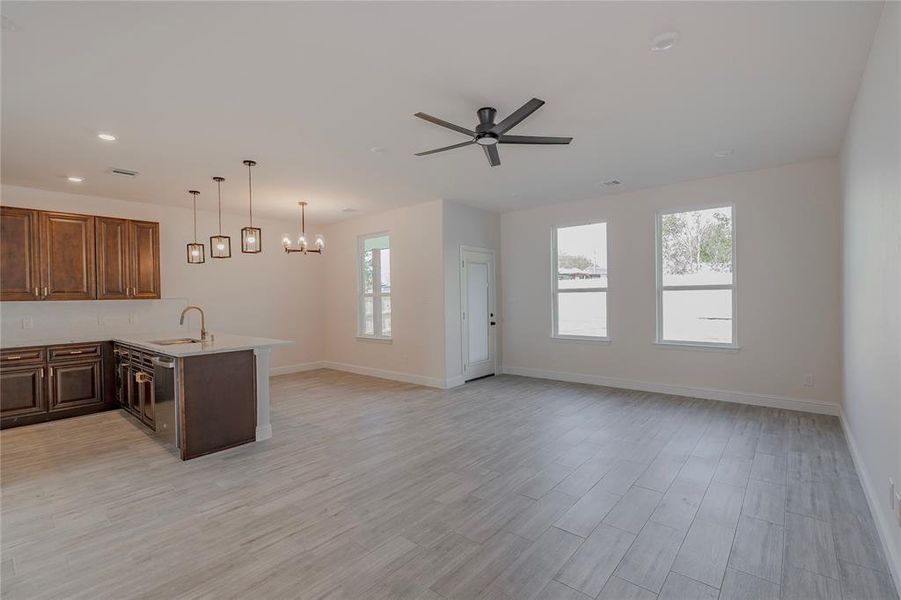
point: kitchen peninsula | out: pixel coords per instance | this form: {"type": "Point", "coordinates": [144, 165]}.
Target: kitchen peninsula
{"type": "Point", "coordinates": [195, 397]}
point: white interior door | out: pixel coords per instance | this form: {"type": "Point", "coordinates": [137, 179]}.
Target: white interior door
{"type": "Point", "coordinates": [478, 313]}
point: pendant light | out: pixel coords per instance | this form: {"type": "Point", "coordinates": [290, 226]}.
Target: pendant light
{"type": "Point", "coordinates": [302, 246]}
{"type": "Point", "coordinates": [251, 237]}
{"type": "Point", "coordinates": [220, 245]}
{"type": "Point", "coordinates": [196, 251]}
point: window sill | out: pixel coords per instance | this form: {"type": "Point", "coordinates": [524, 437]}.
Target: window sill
{"type": "Point", "coordinates": [580, 339]}
{"type": "Point", "coordinates": [374, 338]}
{"type": "Point", "coordinates": [701, 346]}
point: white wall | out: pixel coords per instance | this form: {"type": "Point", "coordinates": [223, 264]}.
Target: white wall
{"type": "Point", "coordinates": [871, 211]}
{"type": "Point", "coordinates": [465, 226]}
{"type": "Point", "coordinates": [416, 351]}
{"type": "Point", "coordinates": [787, 268]}
{"type": "Point", "coordinates": [269, 294]}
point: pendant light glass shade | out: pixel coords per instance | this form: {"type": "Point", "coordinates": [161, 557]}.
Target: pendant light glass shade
{"type": "Point", "coordinates": [251, 237]}
{"type": "Point", "coordinates": [196, 251]}
{"type": "Point", "coordinates": [220, 245]}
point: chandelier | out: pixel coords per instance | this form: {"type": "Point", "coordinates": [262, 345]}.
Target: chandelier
{"type": "Point", "coordinates": [302, 245]}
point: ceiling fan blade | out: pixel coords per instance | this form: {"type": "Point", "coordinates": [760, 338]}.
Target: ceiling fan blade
{"type": "Point", "coordinates": [517, 116]}
{"type": "Point", "coordinates": [445, 148]}
{"type": "Point", "coordinates": [438, 121]}
{"type": "Point", "coordinates": [494, 159]}
{"type": "Point", "coordinates": [533, 139]}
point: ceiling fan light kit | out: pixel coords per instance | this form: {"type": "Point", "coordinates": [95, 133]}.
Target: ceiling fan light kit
{"type": "Point", "coordinates": [489, 134]}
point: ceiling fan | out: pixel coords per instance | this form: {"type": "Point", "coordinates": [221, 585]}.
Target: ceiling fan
{"type": "Point", "coordinates": [488, 134]}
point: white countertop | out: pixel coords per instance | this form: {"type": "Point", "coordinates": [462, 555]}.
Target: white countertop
{"type": "Point", "coordinates": [222, 342]}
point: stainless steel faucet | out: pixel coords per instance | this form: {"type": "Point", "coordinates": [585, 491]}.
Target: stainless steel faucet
{"type": "Point", "coordinates": [181, 321]}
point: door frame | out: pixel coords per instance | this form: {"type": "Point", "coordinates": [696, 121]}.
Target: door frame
{"type": "Point", "coordinates": [464, 305]}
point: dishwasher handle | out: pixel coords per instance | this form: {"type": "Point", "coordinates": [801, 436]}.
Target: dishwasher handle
{"type": "Point", "coordinates": [163, 362]}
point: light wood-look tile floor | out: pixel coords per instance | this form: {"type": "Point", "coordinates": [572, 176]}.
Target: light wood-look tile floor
{"type": "Point", "coordinates": [506, 488]}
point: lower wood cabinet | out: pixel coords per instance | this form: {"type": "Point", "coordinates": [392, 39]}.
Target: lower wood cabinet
{"type": "Point", "coordinates": [46, 383]}
{"type": "Point", "coordinates": [22, 392]}
{"type": "Point", "coordinates": [76, 385]}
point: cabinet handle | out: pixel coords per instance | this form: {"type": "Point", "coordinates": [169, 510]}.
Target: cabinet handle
{"type": "Point", "coordinates": [17, 357]}
{"type": "Point", "coordinates": [51, 371]}
{"type": "Point", "coordinates": [75, 351]}
{"type": "Point", "coordinates": [45, 291]}
{"type": "Point", "coordinates": [41, 373]}
{"type": "Point", "coordinates": [37, 293]}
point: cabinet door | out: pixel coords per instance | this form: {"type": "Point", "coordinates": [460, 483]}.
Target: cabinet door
{"type": "Point", "coordinates": [19, 254]}
{"type": "Point", "coordinates": [22, 392]}
{"type": "Point", "coordinates": [67, 256]}
{"type": "Point", "coordinates": [113, 259]}
{"type": "Point", "coordinates": [75, 385]}
{"type": "Point", "coordinates": [148, 400]}
{"type": "Point", "coordinates": [145, 259]}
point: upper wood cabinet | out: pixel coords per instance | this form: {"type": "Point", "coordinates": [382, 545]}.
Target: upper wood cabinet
{"type": "Point", "coordinates": [68, 258]}
{"type": "Point", "coordinates": [113, 258]}
{"type": "Point", "coordinates": [145, 259]}
{"type": "Point", "coordinates": [20, 273]}
{"type": "Point", "coordinates": [63, 256]}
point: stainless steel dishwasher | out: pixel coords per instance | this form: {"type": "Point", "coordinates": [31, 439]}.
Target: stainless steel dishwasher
{"type": "Point", "coordinates": [165, 388]}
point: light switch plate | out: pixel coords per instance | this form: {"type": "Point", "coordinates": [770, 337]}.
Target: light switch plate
{"type": "Point", "coordinates": [898, 507]}
{"type": "Point", "coordinates": [891, 492]}
{"type": "Point", "coordinates": [27, 323]}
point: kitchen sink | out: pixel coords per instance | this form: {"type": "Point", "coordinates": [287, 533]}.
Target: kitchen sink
{"type": "Point", "coordinates": [175, 341]}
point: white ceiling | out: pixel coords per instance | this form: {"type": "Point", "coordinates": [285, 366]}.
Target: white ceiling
{"type": "Point", "coordinates": [307, 89]}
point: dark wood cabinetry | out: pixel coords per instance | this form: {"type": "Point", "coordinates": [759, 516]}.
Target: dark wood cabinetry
{"type": "Point", "coordinates": [63, 256]}
{"type": "Point", "coordinates": [45, 383]}
{"type": "Point", "coordinates": [145, 259]}
{"type": "Point", "coordinates": [22, 392]}
{"type": "Point", "coordinates": [68, 265]}
{"type": "Point", "coordinates": [20, 275]}
{"type": "Point", "coordinates": [113, 258]}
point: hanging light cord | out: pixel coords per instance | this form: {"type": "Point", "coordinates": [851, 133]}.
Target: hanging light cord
{"type": "Point", "coordinates": [219, 186]}
{"type": "Point", "coordinates": [195, 216]}
{"type": "Point", "coordinates": [250, 192]}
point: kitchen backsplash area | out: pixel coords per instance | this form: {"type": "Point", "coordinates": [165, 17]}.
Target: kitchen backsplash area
{"type": "Point", "coordinates": [93, 319]}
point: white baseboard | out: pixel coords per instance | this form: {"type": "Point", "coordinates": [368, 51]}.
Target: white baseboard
{"type": "Point", "coordinates": [453, 382]}
{"type": "Point", "coordinates": [298, 368]}
{"type": "Point", "coordinates": [883, 522]}
{"type": "Point", "coordinates": [812, 406]}
{"type": "Point", "coordinates": [435, 382]}
{"type": "Point", "coordinates": [263, 432]}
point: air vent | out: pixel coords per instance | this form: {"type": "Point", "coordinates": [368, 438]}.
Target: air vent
{"type": "Point", "coordinates": [613, 182]}
{"type": "Point", "coordinates": [124, 172]}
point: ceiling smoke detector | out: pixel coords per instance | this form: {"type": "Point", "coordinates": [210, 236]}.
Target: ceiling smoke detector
{"type": "Point", "coordinates": [613, 182]}
{"type": "Point", "coordinates": [664, 41]}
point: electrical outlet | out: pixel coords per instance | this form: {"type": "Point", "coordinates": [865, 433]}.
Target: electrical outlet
{"type": "Point", "coordinates": [100, 322]}
{"type": "Point", "coordinates": [808, 380]}
{"type": "Point", "coordinates": [27, 323]}
{"type": "Point", "coordinates": [131, 318]}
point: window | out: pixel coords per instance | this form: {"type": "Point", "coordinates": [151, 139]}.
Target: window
{"type": "Point", "coordinates": [580, 282]}
{"type": "Point", "coordinates": [375, 286]}
{"type": "Point", "coordinates": [696, 277]}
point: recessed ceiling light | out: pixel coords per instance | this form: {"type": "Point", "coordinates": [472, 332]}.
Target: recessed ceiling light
{"type": "Point", "coordinates": [107, 137]}
{"type": "Point", "coordinates": [664, 41]}
{"type": "Point", "coordinates": [74, 179]}
{"type": "Point", "coordinates": [348, 209]}
{"type": "Point", "coordinates": [378, 149]}
{"type": "Point", "coordinates": [725, 153]}
{"type": "Point", "coordinates": [613, 182]}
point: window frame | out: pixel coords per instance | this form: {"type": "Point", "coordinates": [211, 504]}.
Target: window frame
{"type": "Point", "coordinates": [555, 291]}
{"type": "Point", "coordinates": [660, 288]}
{"type": "Point", "coordinates": [376, 293]}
